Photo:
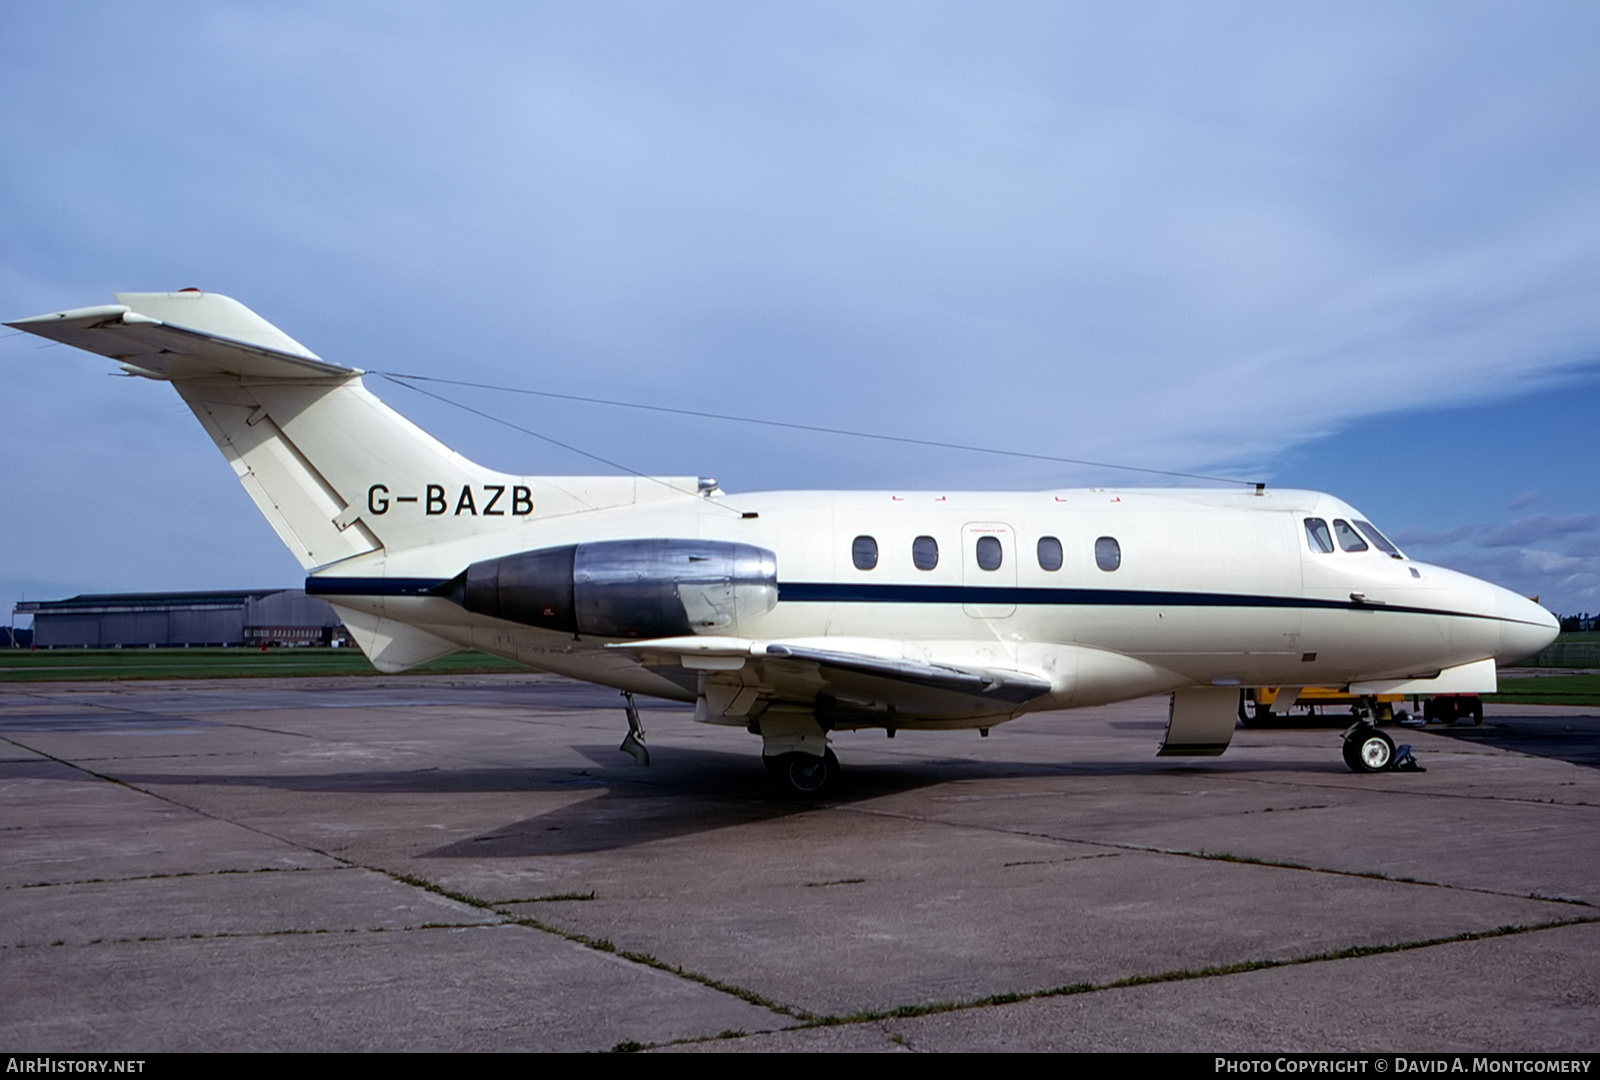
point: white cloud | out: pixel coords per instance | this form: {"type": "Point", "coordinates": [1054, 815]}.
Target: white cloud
{"type": "Point", "coordinates": [1536, 527]}
{"type": "Point", "coordinates": [1171, 236]}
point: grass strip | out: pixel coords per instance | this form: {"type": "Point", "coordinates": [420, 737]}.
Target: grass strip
{"type": "Point", "coordinates": [96, 665]}
{"type": "Point", "coordinates": [1548, 690]}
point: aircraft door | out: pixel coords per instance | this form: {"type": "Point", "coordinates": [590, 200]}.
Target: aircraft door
{"type": "Point", "coordinates": [989, 569]}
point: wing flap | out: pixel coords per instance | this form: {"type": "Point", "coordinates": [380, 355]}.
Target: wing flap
{"type": "Point", "coordinates": [860, 683]}
{"type": "Point", "coordinates": [994, 684]}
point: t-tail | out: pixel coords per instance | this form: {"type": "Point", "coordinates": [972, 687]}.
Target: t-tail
{"type": "Point", "coordinates": [337, 472]}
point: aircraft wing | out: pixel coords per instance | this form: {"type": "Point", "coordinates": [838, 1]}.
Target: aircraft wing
{"type": "Point", "coordinates": [868, 682]}
{"type": "Point", "coordinates": [183, 336]}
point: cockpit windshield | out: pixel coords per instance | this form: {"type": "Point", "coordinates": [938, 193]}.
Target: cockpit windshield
{"type": "Point", "coordinates": [1348, 540]}
{"type": "Point", "coordinates": [1379, 541]}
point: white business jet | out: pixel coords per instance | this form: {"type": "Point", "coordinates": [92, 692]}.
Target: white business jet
{"type": "Point", "coordinates": [796, 614]}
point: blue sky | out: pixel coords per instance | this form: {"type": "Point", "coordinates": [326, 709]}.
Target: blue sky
{"type": "Point", "coordinates": [1349, 247]}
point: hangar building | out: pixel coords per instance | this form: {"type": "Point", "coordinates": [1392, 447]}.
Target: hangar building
{"type": "Point", "coordinates": [140, 620]}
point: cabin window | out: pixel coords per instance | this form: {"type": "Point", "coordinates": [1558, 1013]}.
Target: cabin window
{"type": "Point", "coordinates": [989, 553]}
{"type": "Point", "coordinates": [1049, 553]}
{"type": "Point", "coordinates": [1317, 535]}
{"type": "Point", "coordinates": [1107, 553]}
{"type": "Point", "coordinates": [864, 552]}
{"type": "Point", "coordinates": [925, 553]}
{"type": "Point", "coordinates": [1349, 539]}
{"type": "Point", "coordinates": [1379, 541]}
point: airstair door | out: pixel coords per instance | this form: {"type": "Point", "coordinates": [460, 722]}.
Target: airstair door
{"type": "Point", "coordinates": [989, 569]}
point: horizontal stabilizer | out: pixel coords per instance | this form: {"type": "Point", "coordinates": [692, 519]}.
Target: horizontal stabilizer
{"type": "Point", "coordinates": [184, 335]}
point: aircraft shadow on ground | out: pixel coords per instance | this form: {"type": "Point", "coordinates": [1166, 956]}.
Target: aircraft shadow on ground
{"type": "Point", "coordinates": [685, 791]}
{"type": "Point", "coordinates": [698, 791]}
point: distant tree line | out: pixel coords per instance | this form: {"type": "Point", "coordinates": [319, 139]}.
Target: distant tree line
{"type": "Point", "coordinates": [1574, 623]}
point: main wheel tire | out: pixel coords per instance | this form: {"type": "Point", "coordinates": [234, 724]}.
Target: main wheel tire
{"type": "Point", "coordinates": [804, 776]}
{"type": "Point", "coordinates": [1369, 751]}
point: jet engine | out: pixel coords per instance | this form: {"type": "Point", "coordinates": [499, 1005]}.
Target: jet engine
{"type": "Point", "coordinates": [624, 588]}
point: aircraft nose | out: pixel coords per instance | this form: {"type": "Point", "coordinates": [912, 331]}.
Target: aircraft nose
{"type": "Point", "coordinates": [1527, 628]}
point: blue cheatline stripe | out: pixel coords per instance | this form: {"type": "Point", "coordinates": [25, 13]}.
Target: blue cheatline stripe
{"type": "Point", "coordinates": [372, 586]}
{"type": "Point", "coordinates": [831, 592]}
{"type": "Point", "coordinates": [842, 593]}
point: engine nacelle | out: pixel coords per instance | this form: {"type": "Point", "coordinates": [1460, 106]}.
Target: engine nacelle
{"type": "Point", "coordinates": [624, 588]}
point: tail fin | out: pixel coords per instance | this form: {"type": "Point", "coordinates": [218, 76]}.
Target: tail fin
{"type": "Point", "coordinates": [336, 471]}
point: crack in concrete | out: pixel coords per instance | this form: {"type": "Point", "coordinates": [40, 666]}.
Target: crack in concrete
{"type": "Point", "coordinates": [253, 934]}
{"type": "Point", "coordinates": [182, 874]}
{"type": "Point", "coordinates": [1373, 875]}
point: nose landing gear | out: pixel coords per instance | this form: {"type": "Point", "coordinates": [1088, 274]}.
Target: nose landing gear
{"type": "Point", "coordinates": [1368, 750]}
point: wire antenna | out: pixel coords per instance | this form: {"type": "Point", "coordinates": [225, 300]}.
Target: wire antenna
{"type": "Point", "coordinates": [397, 377]}
{"type": "Point", "coordinates": [399, 380]}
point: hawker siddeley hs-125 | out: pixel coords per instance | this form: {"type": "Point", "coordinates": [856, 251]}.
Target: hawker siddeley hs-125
{"type": "Point", "coordinates": [796, 614]}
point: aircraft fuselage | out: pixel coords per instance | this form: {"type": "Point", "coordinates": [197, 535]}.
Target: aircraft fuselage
{"type": "Point", "coordinates": [1200, 586]}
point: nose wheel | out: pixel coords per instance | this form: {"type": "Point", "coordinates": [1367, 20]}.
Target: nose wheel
{"type": "Point", "coordinates": [1368, 750]}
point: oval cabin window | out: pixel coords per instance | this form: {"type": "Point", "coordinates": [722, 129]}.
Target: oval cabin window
{"type": "Point", "coordinates": [925, 553]}
{"type": "Point", "coordinates": [1107, 553]}
{"type": "Point", "coordinates": [989, 553]}
{"type": "Point", "coordinates": [1049, 553]}
{"type": "Point", "coordinates": [864, 552]}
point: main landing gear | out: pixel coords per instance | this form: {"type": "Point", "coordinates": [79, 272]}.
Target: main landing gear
{"type": "Point", "coordinates": [794, 748]}
{"type": "Point", "coordinates": [803, 776]}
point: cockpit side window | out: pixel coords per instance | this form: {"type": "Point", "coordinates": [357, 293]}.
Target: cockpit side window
{"type": "Point", "coordinates": [1379, 541]}
{"type": "Point", "coordinates": [1349, 539]}
{"type": "Point", "coordinates": [1317, 535]}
